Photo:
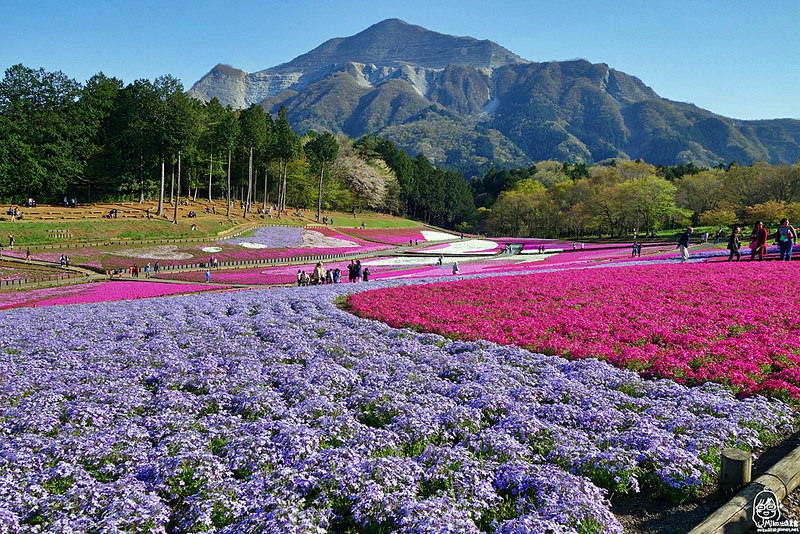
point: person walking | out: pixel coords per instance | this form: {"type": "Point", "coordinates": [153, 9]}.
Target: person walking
{"type": "Point", "coordinates": [208, 275]}
{"type": "Point", "coordinates": [734, 243]}
{"type": "Point", "coordinates": [683, 244]}
{"type": "Point", "coordinates": [758, 241]}
{"type": "Point", "coordinates": [455, 268]}
{"type": "Point", "coordinates": [786, 239]}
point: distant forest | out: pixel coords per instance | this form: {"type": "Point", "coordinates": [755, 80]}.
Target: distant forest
{"type": "Point", "coordinates": [103, 140]}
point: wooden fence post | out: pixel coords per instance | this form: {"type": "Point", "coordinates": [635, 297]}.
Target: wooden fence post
{"type": "Point", "coordinates": [735, 471]}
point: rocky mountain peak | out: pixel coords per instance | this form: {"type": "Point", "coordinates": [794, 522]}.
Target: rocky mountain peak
{"type": "Point", "coordinates": [469, 103]}
{"type": "Point", "coordinates": [386, 47]}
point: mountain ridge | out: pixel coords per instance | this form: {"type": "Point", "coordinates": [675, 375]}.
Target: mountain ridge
{"type": "Point", "coordinates": [468, 104]}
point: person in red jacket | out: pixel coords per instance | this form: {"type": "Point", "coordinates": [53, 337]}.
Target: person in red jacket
{"type": "Point", "coordinates": [758, 241]}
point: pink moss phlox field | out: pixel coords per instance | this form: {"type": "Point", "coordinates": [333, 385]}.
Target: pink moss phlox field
{"type": "Point", "coordinates": [732, 323]}
{"type": "Point", "coordinates": [103, 292]}
{"type": "Point", "coordinates": [14, 299]}
{"type": "Point", "coordinates": [390, 236]}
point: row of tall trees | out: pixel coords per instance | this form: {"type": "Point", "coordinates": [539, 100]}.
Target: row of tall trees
{"type": "Point", "coordinates": [554, 199]}
{"type": "Point", "coordinates": [104, 140]}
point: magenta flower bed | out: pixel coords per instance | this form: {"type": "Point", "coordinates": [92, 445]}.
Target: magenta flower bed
{"type": "Point", "coordinates": [721, 322]}
{"type": "Point", "coordinates": [393, 236]}
{"type": "Point", "coordinates": [102, 292]}
{"type": "Point", "coordinates": [261, 276]}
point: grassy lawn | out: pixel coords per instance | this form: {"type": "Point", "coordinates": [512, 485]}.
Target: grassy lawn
{"type": "Point", "coordinates": [32, 233]}
{"type": "Point", "coordinates": [35, 233]}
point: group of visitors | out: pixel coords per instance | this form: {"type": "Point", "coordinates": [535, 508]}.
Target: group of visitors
{"type": "Point", "coordinates": [70, 203]}
{"type": "Point", "coordinates": [320, 275]}
{"type": "Point", "coordinates": [785, 238]}
{"type": "Point", "coordinates": [15, 213]}
{"type": "Point", "coordinates": [636, 250]}
{"type": "Point", "coordinates": [64, 261]}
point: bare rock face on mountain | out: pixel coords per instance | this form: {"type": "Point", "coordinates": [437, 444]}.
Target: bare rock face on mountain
{"type": "Point", "coordinates": [468, 104]}
{"type": "Point", "coordinates": [389, 49]}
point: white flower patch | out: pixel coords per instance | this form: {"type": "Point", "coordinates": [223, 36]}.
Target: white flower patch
{"type": "Point", "coordinates": [469, 246]}
{"type": "Point", "coordinates": [399, 261]}
{"type": "Point", "coordinates": [312, 239]}
{"type": "Point", "coordinates": [433, 235]}
{"type": "Point", "coordinates": [212, 249]}
{"type": "Point", "coordinates": [160, 252]}
{"type": "Point", "coordinates": [247, 244]}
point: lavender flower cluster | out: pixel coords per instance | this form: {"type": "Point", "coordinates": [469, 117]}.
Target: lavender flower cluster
{"type": "Point", "coordinates": [272, 237]}
{"type": "Point", "coordinates": [274, 411]}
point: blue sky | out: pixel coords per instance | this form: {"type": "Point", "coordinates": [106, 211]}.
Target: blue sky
{"type": "Point", "coordinates": [736, 58]}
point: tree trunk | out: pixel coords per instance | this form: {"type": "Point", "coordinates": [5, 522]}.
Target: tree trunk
{"type": "Point", "coordinates": [160, 211]}
{"type": "Point", "coordinates": [319, 199]}
{"type": "Point", "coordinates": [141, 178]}
{"type": "Point", "coordinates": [282, 207]}
{"type": "Point", "coordinates": [254, 197]}
{"type": "Point", "coordinates": [264, 205]}
{"type": "Point", "coordinates": [178, 189]}
{"type": "Point", "coordinates": [279, 194]}
{"type": "Point", "coordinates": [172, 186]}
{"type": "Point", "coordinates": [210, 171]}
{"type": "Point", "coordinates": [249, 183]}
{"type": "Point", "coordinates": [228, 208]}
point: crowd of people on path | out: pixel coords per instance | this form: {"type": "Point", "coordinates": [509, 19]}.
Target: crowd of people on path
{"type": "Point", "coordinates": [785, 237]}
{"type": "Point", "coordinates": [320, 275]}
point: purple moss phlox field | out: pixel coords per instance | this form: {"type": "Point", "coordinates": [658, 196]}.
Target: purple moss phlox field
{"type": "Point", "coordinates": [275, 411]}
{"type": "Point", "coordinates": [273, 237]}
{"type": "Point", "coordinates": [732, 323]}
